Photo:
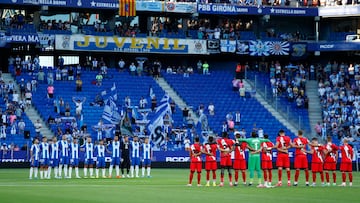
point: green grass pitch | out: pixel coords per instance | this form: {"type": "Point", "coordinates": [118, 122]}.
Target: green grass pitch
{"type": "Point", "coordinates": [166, 185]}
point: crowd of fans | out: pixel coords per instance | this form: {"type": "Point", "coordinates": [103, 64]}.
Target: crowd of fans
{"type": "Point", "coordinates": [339, 88]}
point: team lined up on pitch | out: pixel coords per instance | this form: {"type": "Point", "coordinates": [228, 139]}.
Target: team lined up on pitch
{"type": "Point", "coordinates": [324, 158]}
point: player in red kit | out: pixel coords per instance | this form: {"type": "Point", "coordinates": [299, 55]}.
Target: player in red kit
{"type": "Point", "coordinates": [317, 160]}
{"type": "Point", "coordinates": [283, 144]}
{"type": "Point", "coordinates": [301, 162]}
{"type": "Point", "coordinates": [331, 157]}
{"type": "Point", "coordinates": [239, 159]}
{"type": "Point", "coordinates": [347, 155]}
{"type": "Point", "coordinates": [210, 163]}
{"type": "Point", "coordinates": [195, 164]}
{"type": "Point", "coordinates": [225, 146]}
{"type": "Point", "coordinates": [266, 161]}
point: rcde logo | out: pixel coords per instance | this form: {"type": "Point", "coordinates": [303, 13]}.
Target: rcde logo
{"type": "Point", "coordinates": [170, 6]}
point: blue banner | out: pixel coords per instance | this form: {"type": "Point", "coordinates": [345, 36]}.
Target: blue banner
{"type": "Point", "coordinates": [232, 9]}
{"type": "Point", "coordinates": [334, 46]}
{"type": "Point", "coordinates": [24, 38]}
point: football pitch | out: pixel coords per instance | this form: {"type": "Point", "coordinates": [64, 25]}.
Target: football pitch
{"type": "Point", "coordinates": [165, 185]}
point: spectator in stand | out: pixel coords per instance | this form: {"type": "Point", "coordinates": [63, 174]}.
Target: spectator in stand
{"type": "Point", "coordinates": [153, 103]}
{"type": "Point", "coordinates": [57, 74]}
{"type": "Point", "coordinates": [28, 98]}
{"type": "Point", "coordinates": [132, 68]}
{"type": "Point", "coordinates": [199, 66]}
{"type": "Point", "coordinates": [38, 127]}
{"type": "Point", "coordinates": [211, 109]}
{"type": "Point", "coordinates": [50, 91]}
{"type": "Point", "coordinates": [94, 64]}
{"type": "Point", "coordinates": [70, 73]}
{"type": "Point", "coordinates": [121, 65]}
{"type": "Point", "coordinates": [99, 79]}
{"type": "Point", "coordinates": [21, 126]}
{"type": "Point", "coordinates": [79, 84]}
{"type": "Point", "coordinates": [205, 67]}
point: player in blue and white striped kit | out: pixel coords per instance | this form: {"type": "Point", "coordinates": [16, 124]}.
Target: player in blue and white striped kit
{"type": "Point", "coordinates": [34, 158]}
{"type": "Point", "coordinates": [146, 156]}
{"type": "Point", "coordinates": [64, 156]}
{"type": "Point", "coordinates": [74, 157]}
{"type": "Point", "coordinates": [89, 158]}
{"type": "Point", "coordinates": [44, 158]}
{"type": "Point", "coordinates": [100, 158]}
{"type": "Point", "coordinates": [135, 156]}
{"type": "Point", "coordinates": [115, 157]}
{"type": "Point", "coordinates": [54, 157]}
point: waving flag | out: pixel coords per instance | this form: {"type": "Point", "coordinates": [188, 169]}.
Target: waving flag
{"type": "Point", "coordinates": [110, 112]}
{"type": "Point", "coordinates": [127, 8]}
{"type": "Point", "coordinates": [155, 126]}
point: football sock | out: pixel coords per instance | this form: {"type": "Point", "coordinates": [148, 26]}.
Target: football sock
{"type": "Point", "coordinates": [60, 170]}
{"type": "Point", "coordinates": [265, 175]}
{"type": "Point", "coordinates": [49, 172]}
{"type": "Point", "coordinates": [117, 170]}
{"type": "Point", "coordinates": [97, 172]}
{"type": "Point", "coordinates": [143, 171]}
{"type": "Point", "coordinates": [41, 174]}
{"type": "Point", "coordinates": [31, 172]}
{"type": "Point", "coordinates": [132, 171]}
{"type": "Point", "coordinates": [297, 172]}
{"type": "Point", "coordinates": [65, 170]}
{"type": "Point", "coordinates": [137, 171]}
{"type": "Point", "coordinates": [236, 175]}
{"type": "Point", "coordinates": [306, 175]}
{"type": "Point", "coordinates": [350, 177]}
{"type": "Point", "coordinates": [214, 175]}
{"type": "Point", "coordinates": [35, 172]}
{"type": "Point", "coordinates": [243, 176]}
{"type": "Point", "coordinates": [85, 172]}
{"type": "Point", "coordinates": [191, 176]}
{"type": "Point", "coordinates": [110, 170]}
{"type": "Point", "coordinates": [103, 172]}
{"type": "Point", "coordinates": [91, 171]}
{"type": "Point", "coordinates": [280, 175]}
{"type": "Point", "coordinates": [343, 177]}
{"type": "Point", "coordinates": [198, 177]}
{"type": "Point", "coordinates": [70, 171]}
{"type": "Point", "coordinates": [208, 175]}
{"type": "Point", "coordinates": [314, 177]}
{"type": "Point", "coordinates": [45, 173]}
{"type": "Point", "coordinates": [334, 176]}
{"type": "Point", "coordinates": [270, 175]}
{"type": "Point", "coordinates": [288, 175]}
{"type": "Point", "coordinates": [327, 177]}
{"type": "Point", "coordinates": [76, 171]}
{"type": "Point", "coordinates": [322, 176]}
{"type": "Point", "coordinates": [56, 170]}
{"type": "Point", "coordinates": [148, 170]}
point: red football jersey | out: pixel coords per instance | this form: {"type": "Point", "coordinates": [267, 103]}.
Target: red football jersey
{"type": "Point", "coordinates": [195, 149]}
{"type": "Point", "coordinates": [225, 143]}
{"type": "Point", "coordinates": [346, 153]}
{"type": "Point", "coordinates": [284, 141]}
{"type": "Point", "coordinates": [318, 154]}
{"type": "Point", "coordinates": [266, 154]}
{"type": "Point", "coordinates": [240, 150]}
{"type": "Point", "coordinates": [210, 148]}
{"type": "Point", "coordinates": [331, 155]}
{"type": "Point", "coordinates": [300, 142]}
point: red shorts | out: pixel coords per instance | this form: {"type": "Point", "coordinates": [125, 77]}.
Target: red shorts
{"type": "Point", "coordinates": [330, 166]}
{"type": "Point", "coordinates": [196, 166]}
{"type": "Point", "coordinates": [210, 165]}
{"type": "Point", "coordinates": [239, 164]}
{"type": "Point", "coordinates": [283, 160]}
{"type": "Point", "coordinates": [301, 162]}
{"type": "Point", "coordinates": [266, 164]}
{"type": "Point", "coordinates": [316, 167]}
{"type": "Point", "coordinates": [346, 167]}
{"type": "Point", "coordinates": [225, 161]}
